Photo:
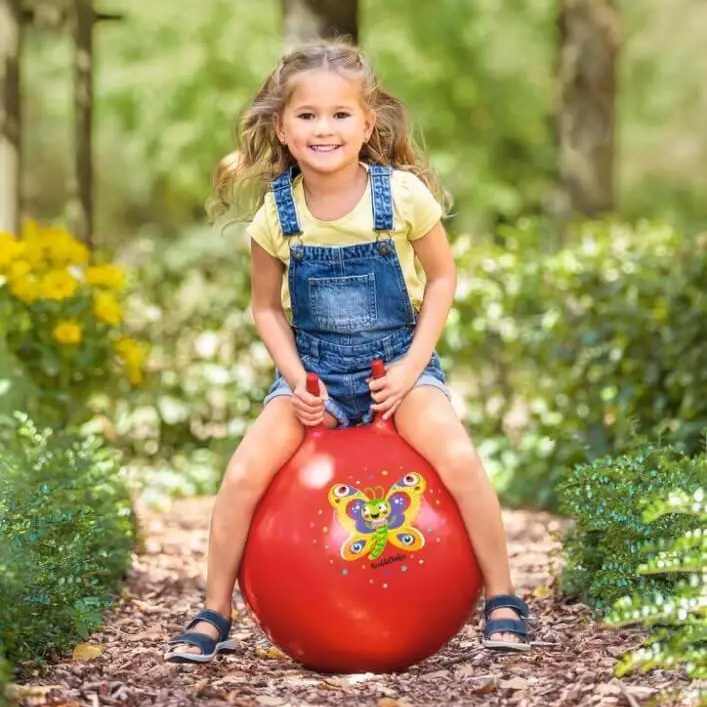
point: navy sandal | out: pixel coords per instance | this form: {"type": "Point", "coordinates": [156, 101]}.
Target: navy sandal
{"type": "Point", "coordinates": [209, 647]}
{"type": "Point", "coordinates": [518, 626]}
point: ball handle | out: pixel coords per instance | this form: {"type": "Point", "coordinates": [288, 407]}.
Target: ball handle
{"type": "Point", "coordinates": [378, 368]}
{"type": "Point", "coordinates": [312, 384]}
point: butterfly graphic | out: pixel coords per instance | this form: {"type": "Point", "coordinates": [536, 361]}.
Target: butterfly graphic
{"type": "Point", "coordinates": [373, 519]}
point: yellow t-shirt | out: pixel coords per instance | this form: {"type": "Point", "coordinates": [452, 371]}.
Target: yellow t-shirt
{"type": "Point", "coordinates": [415, 211]}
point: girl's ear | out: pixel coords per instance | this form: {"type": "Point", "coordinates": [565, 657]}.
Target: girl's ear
{"type": "Point", "coordinates": [277, 124]}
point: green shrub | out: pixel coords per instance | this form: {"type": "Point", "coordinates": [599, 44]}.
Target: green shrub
{"type": "Point", "coordinates": [210, 372]}
{"type": "Point", "coordinates": [566, 355]}
{"type": "Point", "coordinates": [679, 617]}
{"type": "Point", "coordinates": [607, 499]}
{"type": "Point", "coordinates": [66, 532]}
{"type": "Point", "coordinates": [5, 678]}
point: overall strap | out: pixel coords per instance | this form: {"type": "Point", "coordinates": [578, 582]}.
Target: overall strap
{"type": "Point", "coordinates": [381, 196]}
{"type": "Point", "coordinates": [281, 188]}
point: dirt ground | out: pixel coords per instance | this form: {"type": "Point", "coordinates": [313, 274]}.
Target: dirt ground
{"type": "Point", "coordinates": [571, 662]}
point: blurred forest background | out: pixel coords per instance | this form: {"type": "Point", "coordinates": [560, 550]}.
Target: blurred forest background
{"type": "Point", "coordinates": [479, 79]}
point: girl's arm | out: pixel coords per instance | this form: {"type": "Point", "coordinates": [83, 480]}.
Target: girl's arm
{"type": "Point", "coordinates": [270, 321]}
{"type": "Point", "coordinates": [436, 259]}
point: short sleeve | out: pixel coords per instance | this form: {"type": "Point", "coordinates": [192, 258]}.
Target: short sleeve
{"type": "Point", "coordinates": [419, 207]}
{"type": "Point", "coordinates": [260, 228]}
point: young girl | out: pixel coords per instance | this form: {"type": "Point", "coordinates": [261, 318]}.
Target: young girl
{"type": "Point", "coordinates": [350, 262]}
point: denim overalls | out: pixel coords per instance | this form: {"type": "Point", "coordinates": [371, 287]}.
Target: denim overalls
{"type": "Point", "coordinates": [350, 305]}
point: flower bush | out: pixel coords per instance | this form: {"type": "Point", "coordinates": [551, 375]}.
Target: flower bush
{"type": "Point", "coordinates": [62, 320]}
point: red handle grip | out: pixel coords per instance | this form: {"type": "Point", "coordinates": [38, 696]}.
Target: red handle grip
{"type": "Point", "coordinates": [377, 368]}
{"type": "Point", "coordinates": [313, 384]}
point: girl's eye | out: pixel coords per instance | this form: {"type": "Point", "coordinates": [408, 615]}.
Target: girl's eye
{"type": "Point", "coordinates": [306, 116]}
{"type": "Point", "coordinates": [341, 114]}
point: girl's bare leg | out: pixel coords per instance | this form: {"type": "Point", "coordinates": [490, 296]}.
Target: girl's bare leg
{"type": "Point", "coordinates": [427, 421]}
{"type": "Point", "coordinates": [266, 446]}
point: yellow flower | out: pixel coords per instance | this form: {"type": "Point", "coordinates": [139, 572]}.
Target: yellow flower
{"type": "Point", "coordinates": [17, 268]}
{"type": "Point", "coordinates": [67, 331]}
{"type": "Point", "coordinates": [34, 254]}
{"type": "Point", "coordinates": [24, 288]}
{"type": "Point", "coordinates": [63, 249]}
{"type": "Point", "coordinates": [109, 276]}
{"type": "Point", "coordinates": [51, 246]}
{"type": "Point", "coordinates": [57, 285]}
{"type": "Point", "coordinates": [10, 249]}
{"type": "Point", "coordinates": [107, 308]}
{"type": "Point", "coordinates": [132, 354]}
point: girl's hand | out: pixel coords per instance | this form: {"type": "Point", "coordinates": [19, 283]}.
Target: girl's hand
{"type": "Point", "coordinates": [388, 392]}
{"type": "Point", "coordinates": [309, 409]}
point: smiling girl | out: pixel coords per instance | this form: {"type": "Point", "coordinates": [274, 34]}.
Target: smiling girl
{"type": "Point", "coordinates": [350, 262]}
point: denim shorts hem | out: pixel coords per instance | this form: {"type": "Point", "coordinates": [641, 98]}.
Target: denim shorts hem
{"type": "Point", "coordinates": [280, 388]}
{"type": "Point", "coordinates": [429, 379]}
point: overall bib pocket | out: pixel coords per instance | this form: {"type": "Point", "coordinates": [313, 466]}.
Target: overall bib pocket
{"type": "Point", "coordinates": [343, 304]}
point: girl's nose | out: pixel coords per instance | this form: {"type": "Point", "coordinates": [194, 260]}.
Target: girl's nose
{"type": "Point", "coordinates": [323, 127]}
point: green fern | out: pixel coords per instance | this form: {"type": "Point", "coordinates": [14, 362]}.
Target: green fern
{"type": "Point", "coordinates": [677, 618]}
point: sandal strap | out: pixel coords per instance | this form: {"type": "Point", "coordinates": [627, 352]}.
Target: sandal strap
{"type": "Point", "coordinates": [221, 624]}
{"type": "Point", "coordinates": [204, 643]}
{"type": "Point", "coordinates": [505, 626]}
{"type": "Point", "coordinates": [506, 601]}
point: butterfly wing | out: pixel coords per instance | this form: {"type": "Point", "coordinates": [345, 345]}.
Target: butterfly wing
{"type": "Point", "coordinates": [407, 538]}
{"type": "Point", "coordinates": [347, 502]}
{"type": "Point", "coordinates": [405, 497]}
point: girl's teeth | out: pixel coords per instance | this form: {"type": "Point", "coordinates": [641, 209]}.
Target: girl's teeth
{"type": "Point", "coordinates": [324, 148]}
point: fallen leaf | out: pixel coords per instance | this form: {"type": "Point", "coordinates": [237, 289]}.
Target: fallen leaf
{"type": "Point", "coordinates": [272, 653]}
{"type": "Point", "coordinates": [541, 592]}
{"type": "Point", "coordinates": [387, 702]}
{"type": "Point", "coordinates": [436, 675]}
{"type": "Point", "coordinates": [21, 691]}
{"type": "Point", "coordinates": [270, 701]}
{"type": "Point", "coordinates": [514, 684]}
{"type": "Point", "coordinates": [485, 689]}
{"type": "Point", "coordinates": [86, 651]}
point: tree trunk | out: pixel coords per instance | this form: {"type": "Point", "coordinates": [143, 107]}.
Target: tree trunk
{"type": "Point", "coordinates": [10, 117]}
{"type": "Point", "coordinates": [589, 42]}
{"type": "Point", "coordinates": [82, 207]}
{"type": "Point", "coordinates": [308, 20]}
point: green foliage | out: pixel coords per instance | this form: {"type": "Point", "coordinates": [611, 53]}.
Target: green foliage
{"type": "Point", "coordinates": [210, 371]}
{"type": "Point", "coordinates": [573, 352]}
{"type": "Point", "coordinates": [5, 678]}
{"type": "Point", "coordinates": [66, 532]}
{"type": "Point", "coordinates": [678, 617]}
{"type": "Point", "coordinates": [486, 121]}
{"type": "Point", "coordinates": [607, 499]}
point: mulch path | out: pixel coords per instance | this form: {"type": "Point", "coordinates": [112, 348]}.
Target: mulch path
{"type": "Point", "coordinates": [571, 663]}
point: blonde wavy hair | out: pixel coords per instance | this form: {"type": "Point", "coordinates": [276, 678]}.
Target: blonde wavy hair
{"type": "Point", "coordinates": [242, 178]}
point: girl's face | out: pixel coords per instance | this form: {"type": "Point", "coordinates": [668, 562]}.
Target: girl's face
{"type": "Point", "coordinates": [324, 122]}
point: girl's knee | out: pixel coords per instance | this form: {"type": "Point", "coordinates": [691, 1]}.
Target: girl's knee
{"type": "Point", "coordinates": [461, 469]}
{"type": "Point", "coordinates": [245, 477]}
